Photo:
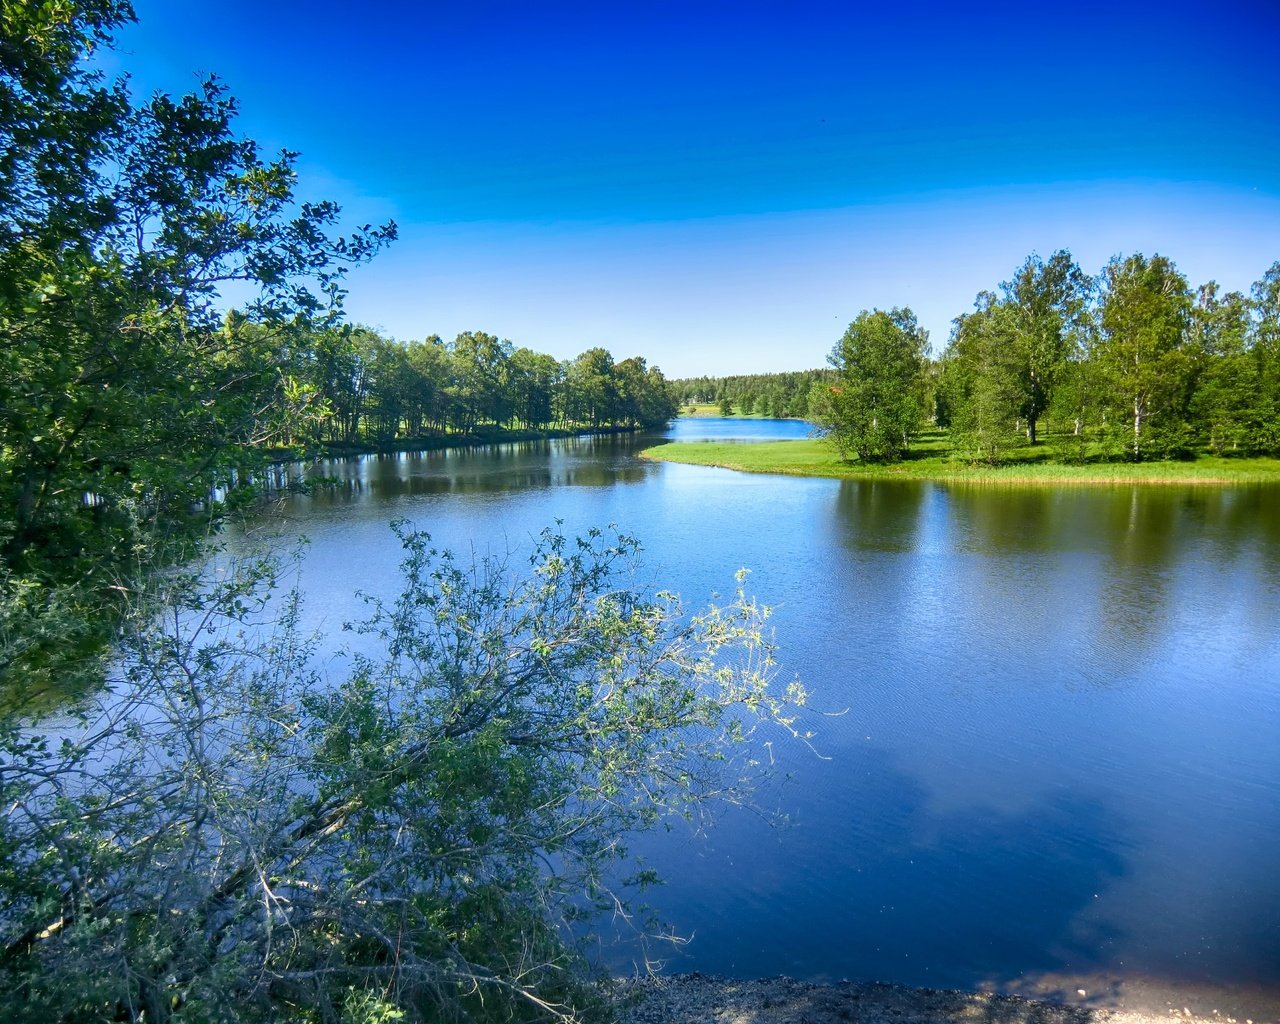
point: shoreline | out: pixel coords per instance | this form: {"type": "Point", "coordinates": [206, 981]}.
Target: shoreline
{"type": "Point", "coordinates": [697, 998]}
{"type": "Point", "coordinates": [809, 458]}
{"type": "Point", "coordinates": [435, 443]}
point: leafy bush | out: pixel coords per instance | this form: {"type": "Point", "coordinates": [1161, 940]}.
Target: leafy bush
{"type": "Point", "coordinates": [222, 835]}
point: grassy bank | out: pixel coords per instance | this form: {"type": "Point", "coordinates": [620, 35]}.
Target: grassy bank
{"type": "Point", "coordinates": [932, 459]}
{"type": "Point", "coordinates": [710, 410]}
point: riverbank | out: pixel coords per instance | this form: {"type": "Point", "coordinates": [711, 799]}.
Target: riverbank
{"type": "Point", "coordinates": [438, 442]}
{"type": "Point", "coordinates": [487, 435]}
{"type": "Point", "coordinates": [698, 999]}
{"type": "Point", "coordinates": [815, 457]}
{"type": "Point", "coordinates": [712, 411]}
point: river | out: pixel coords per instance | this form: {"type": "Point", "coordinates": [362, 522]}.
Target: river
{"type": "Point", "coordinates": [1060, 758]}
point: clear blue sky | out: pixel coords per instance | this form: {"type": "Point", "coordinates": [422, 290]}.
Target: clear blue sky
{"type": "Point", "coordinates": [721, 187]}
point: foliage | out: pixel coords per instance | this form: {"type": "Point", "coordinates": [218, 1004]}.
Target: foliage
{"type": "Point", "coordinates": [981, 379]}
{"type": "Point", "coordinates": [124, 400]}
{"type": "Point", "coordinates": [777, 395]}
{"type": "Point", "coordinates": [1047, 302]}
{"type": "Point", "coordinates": [377, 391]}
{"type": "Point", "coordinates": [119, 381]}
{"type": "Point", "coordinates": [1130, 365]}
{"type": "Point", "coordinates": [1226, 398]}
{"type": "Point", "coordinates": [133, 412]}
{"type": "Point", "coordinates": [1264, 347]}
{"type": "Point", "coordinates": [222, 835]}
{"type": "Point", "coordinates": [1142, 351]}
{"type": "Point", "coordinates": [875, 406]}
{"type": "Point", "coordinates": [1005, 361]}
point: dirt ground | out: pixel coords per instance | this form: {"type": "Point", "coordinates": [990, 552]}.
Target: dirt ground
{"type": "Point", "coordinates": [699, 999]}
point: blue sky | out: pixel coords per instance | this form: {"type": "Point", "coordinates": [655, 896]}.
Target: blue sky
{"type": "Point", "coordinates": [722, 187]}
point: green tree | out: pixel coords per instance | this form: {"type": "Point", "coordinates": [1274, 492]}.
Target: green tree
{"type": "Point", "coordinates": [982, 380]}
{"type": "Point", "coordinates": [124, 403]}
{"type": "Point", "coordinates": [1142, 352]}
{"type": "Point", "coordinates": [658, 402]}
{"type": "Point", "coordinates": [1048, 301]}
{"type": "Point", "coordinates": [1080, 404]}
{"type": "Point", "coordinates": [429, 362]}
{"type": "Point", "coordinates": [1264, 348]}
{"type": "Point", "coordinates": [224, 836]}
{"type": "Point", "coordinates": [874, 407]}
{"type": "Point", "coordinates": [591, 394]}
{"type": "Point", "coordinates": [482, 378]}
{"type": "Point", "coordinates": [629, 387]}
{"type": "Point", "coordinates": [642, 397]}
{"type": "Point", "coordinates": [336, 369]}
{"type": "Point", "coordinates": [535, 379]}
{"type": "Point", "coordinates": [391, 382]}
{"type": "Point", "coordinates": [1226, 401]}
{"type": "Point", "coordinates": [782, 394]}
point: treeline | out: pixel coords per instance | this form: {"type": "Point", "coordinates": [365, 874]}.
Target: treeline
{"type": "Point", "coordinates": [363, 388]}
{"type": "Point", "coordinates": [1132, 363]}
{"type": "Point", "coordinates": [780, 395]}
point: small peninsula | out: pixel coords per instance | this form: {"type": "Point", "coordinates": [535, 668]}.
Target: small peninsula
{"type": "Point", "coordinates": [931, 460]}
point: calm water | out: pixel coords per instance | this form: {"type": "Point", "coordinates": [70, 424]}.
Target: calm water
{"type": "Point", "coordinates": [1062, 748]}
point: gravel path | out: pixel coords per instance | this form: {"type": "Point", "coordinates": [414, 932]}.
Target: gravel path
{"type": "Point", "coordinates": [700, 999]}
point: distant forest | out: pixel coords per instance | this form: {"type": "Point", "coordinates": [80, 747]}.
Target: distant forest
{"type": "Point", "coordinates": [779, 395]}
{"type": "Point", "coordinates": [356, 387]}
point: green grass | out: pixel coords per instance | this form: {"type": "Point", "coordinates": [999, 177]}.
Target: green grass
{"type": "Point", "coordinates": [703, 410]}
{"type": "Point", "coordinates": [931, 459]}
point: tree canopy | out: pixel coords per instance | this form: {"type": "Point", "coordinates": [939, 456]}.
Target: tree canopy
{"type": "Point", "coordinates": [123, 401]}
{"type": "Point", "coordinates": [372, 390]}
{"type": "Point", "coordinates": [1131, 364]}
{"type": "Point", "coordinates": [874, 407]}
{"type": "Point", "coordinates": [779, 395]}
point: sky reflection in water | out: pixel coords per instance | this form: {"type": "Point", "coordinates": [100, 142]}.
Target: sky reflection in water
{"type": "Point", "coordinates": [1059, 752]}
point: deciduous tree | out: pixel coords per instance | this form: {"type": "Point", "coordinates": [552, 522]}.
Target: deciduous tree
{"type": "Point", "coordinates": [874, 407]}
{"type": "Point", "coordinates": [224, 835]}
{"type": "Point", "coordinates": [123, 400]}
{"type": "Point", "coordinates": [982, 380]}
{"type": "Point", "coordinates": [1264, 348]}
{"type": "Point", "coordinates": [1226, 403]}
{"type": "Point", "coordinates": [1142, 351]}
{"type": "Point", "coordinates": [1048, 303]}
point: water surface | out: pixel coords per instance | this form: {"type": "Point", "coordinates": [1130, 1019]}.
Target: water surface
{"type": "Point", "coordinates": [1060, 752]}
